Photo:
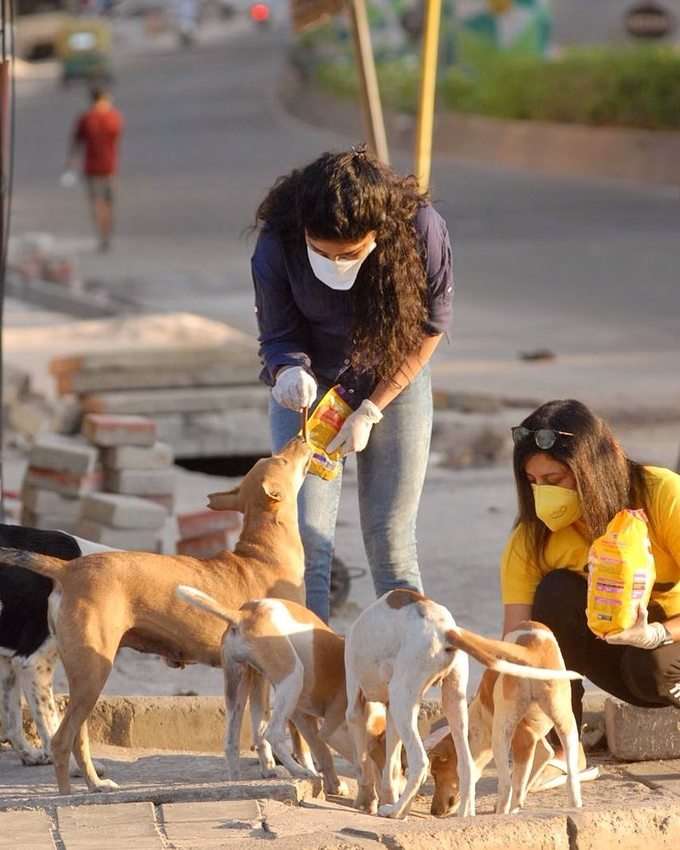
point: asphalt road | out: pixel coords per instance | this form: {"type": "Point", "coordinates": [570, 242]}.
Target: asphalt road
{"type": "Point", "coordinates": [579, 266]}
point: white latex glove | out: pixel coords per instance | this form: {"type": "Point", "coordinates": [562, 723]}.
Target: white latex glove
{"type": "Point", "coordinates": [643, 635]}
{"type": "Point", "coordinates": [68, 179]}
{"type": "Point", "coordinates": [354, 434]}
{"type": "Point", "coordinates": [294, 388]}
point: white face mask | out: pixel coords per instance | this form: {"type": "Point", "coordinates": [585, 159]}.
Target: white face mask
{"type": "Point", "coordinates": [336, 274]}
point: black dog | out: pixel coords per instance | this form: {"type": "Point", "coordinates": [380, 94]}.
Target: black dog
{"type": "Point", "coordinates": [28, 652]}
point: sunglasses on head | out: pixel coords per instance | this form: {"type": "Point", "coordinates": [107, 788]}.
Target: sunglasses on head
{"type": "Point", "coordinates": [545, 438]}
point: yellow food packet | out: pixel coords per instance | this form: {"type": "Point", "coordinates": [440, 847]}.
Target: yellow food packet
{"type": "Point", "coordinates": [324, 424]}
{"type": "Point", "coordinates": [621, 573]}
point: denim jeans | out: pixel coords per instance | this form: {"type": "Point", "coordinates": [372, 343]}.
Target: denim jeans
{"type": "Point", "coordinates": [391, 473]}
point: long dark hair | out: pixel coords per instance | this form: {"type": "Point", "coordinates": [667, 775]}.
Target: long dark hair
{"type": "Point", "coordinates": [606, 479]}
{"type": "Point", "coordinates": [344, 196]}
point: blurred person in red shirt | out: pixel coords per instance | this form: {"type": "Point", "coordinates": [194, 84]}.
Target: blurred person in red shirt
{"type": "Point", "coordinates": [96, 136]}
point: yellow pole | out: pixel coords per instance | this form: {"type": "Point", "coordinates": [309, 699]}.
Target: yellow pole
{"type": "Point", "coordinates": [369, 91]}
{"type": "Point", "coordinates": [427, 90]}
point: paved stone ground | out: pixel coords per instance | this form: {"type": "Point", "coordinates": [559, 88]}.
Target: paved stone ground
{"type": "Point", "coordinates": [182, 801]}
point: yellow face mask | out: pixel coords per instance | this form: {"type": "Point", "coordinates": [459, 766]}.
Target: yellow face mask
{"type": "Point", "coordinates": [557, 507]}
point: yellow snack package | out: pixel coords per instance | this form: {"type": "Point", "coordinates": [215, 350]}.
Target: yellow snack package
{"type": "Point", "coordinates": [324, 423]}
{"type": "Point", "coordinates": [621, 573]}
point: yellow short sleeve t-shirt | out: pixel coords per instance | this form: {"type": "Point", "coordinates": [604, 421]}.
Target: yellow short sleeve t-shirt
{"type": "Point", "coordinates": [568, 549]}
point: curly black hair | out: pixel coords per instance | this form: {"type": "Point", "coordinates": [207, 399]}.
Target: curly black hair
{"type": "Point", "coordinates": [345, 196]}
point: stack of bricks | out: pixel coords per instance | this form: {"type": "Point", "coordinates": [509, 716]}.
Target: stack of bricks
{"type": "Point", "coordinates": [202, 534]}
{"type": "Point", "coordinates": [60, 471]}
{"type": "Point", "coordinates": [138, 480]}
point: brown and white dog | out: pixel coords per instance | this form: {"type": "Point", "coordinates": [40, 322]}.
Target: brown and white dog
{"type": "Point", "coordinates": [399, 647]}
{"type": "Point", "coordinates": [116, 599]}
{"type": "Point", "coordinates": [509, 714]}
{"type": "Point", "coordinates": [303, 659]}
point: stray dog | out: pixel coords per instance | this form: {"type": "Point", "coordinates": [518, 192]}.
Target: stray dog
{"type": "Point", "coordinates": [304, 661]}
{"type": "Point", "coordinates": [398, 647]}
{"type": "Point", "coordinates": [116, 599]}
{"type": "Point", "coordinates": [28, 652]}
{"type": "Point", "coordinates": [511, 714]}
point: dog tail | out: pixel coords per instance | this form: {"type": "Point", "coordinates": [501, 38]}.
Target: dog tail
{"type": "Point", "coordinates": [201, 600]}
{"type": "Point", "coordinates": [45, 565]}
{"type": "Point", "coordinates": [504, 657]}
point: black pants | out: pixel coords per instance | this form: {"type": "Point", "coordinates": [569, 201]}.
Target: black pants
{"type": "Point", "coordinates": [643, 677]}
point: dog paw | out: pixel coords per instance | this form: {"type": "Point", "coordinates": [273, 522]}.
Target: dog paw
{"type": "Point", "coordinates": [104, 785]}
{"type": "Point", "coordinates": [336, 788]}
{"type": "Point", "coordinates": [392, 810]}
{"type": "Point", "coordinates": [269, 773]}
{"type": "Point", "coordinates": [33, 758]}
{"type": "Point", "coordinates": [368, 806]}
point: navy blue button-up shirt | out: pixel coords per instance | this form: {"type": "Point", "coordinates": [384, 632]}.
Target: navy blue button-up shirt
{"type": "Point", "coordinates": [303, 322]}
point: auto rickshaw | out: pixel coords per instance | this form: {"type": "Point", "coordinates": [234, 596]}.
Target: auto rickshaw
{"type": "Point", "coordinates": [84, 48]}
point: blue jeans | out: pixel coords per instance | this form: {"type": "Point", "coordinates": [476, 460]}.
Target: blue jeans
{"type": "Point", "coordinates": [391, 473]}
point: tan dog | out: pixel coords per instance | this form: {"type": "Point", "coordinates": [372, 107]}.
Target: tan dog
{"type": "Point", "coordinates": [304, 661]}
{"type": "Point", "coordinates": [511, 714]}
{"type": "Point", "coordinates": [116, 599]}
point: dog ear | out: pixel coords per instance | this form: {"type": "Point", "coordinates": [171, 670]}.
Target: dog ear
{"type": "Point", "coordinates": [229, 501]}
{"type": "Point", "coordinates": [272, 490]}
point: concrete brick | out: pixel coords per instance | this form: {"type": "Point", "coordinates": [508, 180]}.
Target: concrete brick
{"type": "Point", "coordinates": [207, 545]}
{"type": "Point", "coordinates": [169, 427]}
{"type": "Point", "coordinates": [123, 511]}
{"type": "Point", "coordinates": [166, 502]}
{"type": "Point", "coordinates": [105, 431]}
{"type": "Point", "coordinates": [62, 482]}
{"type": "Point", "coordinates": [25, 831]}
{"type": "Point", "coordinates": [48, 521]}
{"type": "Point", "coordinates": [197, 523]}
{"type": "Point", "coordinates": [181, 400]}
{"type": "Point", "coordinates": [134, 539]}
{"type": "Point", "coordinates": [49, 502]}
{"type": "Point", "coordinates": [157, 456]}
{"type": "Point", "coordinates": [141, 482]}
{"type": "Point", "coordinates": [63, 454]}
{"type": "Point", "coordinates": [642, 734]}
{"type": "Point", "coordinates": [116, 826]}
{"type": "Point", "coordinates": [630, 828]}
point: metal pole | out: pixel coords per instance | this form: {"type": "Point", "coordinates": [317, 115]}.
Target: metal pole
{"type": "Point", "coordinates": [427, 91]}
{"type": "Point", "coordinates": [370, 93]}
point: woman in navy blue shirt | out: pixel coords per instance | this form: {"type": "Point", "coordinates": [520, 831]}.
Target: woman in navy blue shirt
{"type": "Point", "coordinates": [353, 285]}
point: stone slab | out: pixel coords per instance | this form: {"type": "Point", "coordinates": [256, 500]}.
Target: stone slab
{"type": "Point", "coordinates": [133, 539]}
{"type": "Point", "coordinates": [141, 482]}
{"type": "Point", "coordinates": [664, 775]}
{"type": "Point", "coordinates": [227, 823]}
{"type": "Point", "coordinates": [157, 456]}
{"type": "Point", "coordinates": [40, 501]}
{"type": "Point", "coordinates": [642, 734]}
{"type": "Point", "coordinates": [62, 482]}
{"type": "Point", "coordinates": [123, 512]}
{"type": "Point", "coordinates": [144, 377]}
{"type": "Point", "coordinates": [63, 454]}
{"type": "Point", "coordinates": [48, 522]}
{"type": "Point", "coordinates": [118, 430]}
{"type": "Point", "coordinates": [26, 831]}
{"type": "Point", "coordinates": [630, 828]}
{"type": "Point", "coordinates": [200, 399]}
{"type": "Point", "coordinates": [120, 826]}
{"type": "Point", "coordinates": [239, 348]}
{"type": "Point", "coordinates": [197, 523]}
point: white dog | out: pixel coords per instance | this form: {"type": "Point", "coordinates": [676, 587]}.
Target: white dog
{"type": "Point", "coordinates": [399, 647]}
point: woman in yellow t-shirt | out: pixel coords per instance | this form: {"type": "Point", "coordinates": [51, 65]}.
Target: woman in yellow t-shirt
{"type": "Point", "coordinates": [572, 476]}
